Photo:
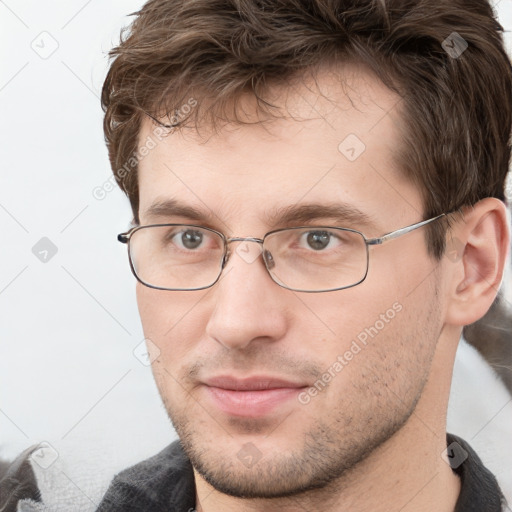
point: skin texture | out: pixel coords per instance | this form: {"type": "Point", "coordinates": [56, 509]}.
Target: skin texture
{"type": "Point", "coordinates": [373, 437]}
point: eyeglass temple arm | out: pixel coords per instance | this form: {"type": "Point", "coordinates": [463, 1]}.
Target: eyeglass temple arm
{"type": "Point", "coordinates": [401, 231]}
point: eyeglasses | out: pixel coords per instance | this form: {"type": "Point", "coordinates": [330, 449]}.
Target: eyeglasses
{"type": "Point", "coordinates": [183, 257]}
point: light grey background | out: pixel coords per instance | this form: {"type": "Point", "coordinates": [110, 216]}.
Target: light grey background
{"type": "Point", "coordinates": [69, 325]}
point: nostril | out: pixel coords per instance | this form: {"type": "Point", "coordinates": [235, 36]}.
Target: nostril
{"type": "Point", "coordinates": [269, 259]}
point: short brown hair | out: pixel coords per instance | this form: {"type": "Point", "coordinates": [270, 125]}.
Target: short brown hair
{"type": "Point", "coordinates": [445, 58]}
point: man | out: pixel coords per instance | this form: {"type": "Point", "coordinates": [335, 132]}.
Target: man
{"type": "Point", "coordinates": [318, 199]}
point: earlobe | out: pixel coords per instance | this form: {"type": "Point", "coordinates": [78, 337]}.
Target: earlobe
{"type": "Point", "coordinates": [480, 243]}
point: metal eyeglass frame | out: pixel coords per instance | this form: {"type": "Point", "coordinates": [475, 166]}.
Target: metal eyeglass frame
{"type": "Point", "coordinates": [125, 239]}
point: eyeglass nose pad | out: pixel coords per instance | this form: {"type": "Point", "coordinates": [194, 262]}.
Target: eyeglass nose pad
{"type": "Point", "coordinates": [269, 259]}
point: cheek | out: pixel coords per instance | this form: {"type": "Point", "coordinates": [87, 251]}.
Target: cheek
{"type": "Point", "coordinates": [386, 323]}
{"type": "Point", "coordinates": [346, 315]}
{"type": "Point", "coordinates": [383, 362]}
{"type": "Point", "coordinates": [150, 311]}
{"type": "Point", "coordinates": [169, 320]}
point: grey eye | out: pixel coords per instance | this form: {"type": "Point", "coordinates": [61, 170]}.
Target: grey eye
{"type": "Point", "coordinates": [318, 240]}
{"type": "Point", "coordinates": [191, 239]}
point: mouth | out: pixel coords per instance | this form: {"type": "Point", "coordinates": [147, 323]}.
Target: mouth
{"type": "Point", "coordinates": [251, 397]}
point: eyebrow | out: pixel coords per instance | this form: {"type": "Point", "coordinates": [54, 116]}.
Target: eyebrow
{"type": "Point", "coordinates": [174, 208]}
{"type": "Point", "coordinates": [303, 213]}
{"type": "Point", "coordinates": [297, 214]}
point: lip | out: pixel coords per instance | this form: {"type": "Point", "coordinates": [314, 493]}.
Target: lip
{"type": "Point", "coordinates": [250, 397]}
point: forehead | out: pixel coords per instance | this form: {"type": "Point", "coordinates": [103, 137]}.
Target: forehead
{"type": "Point", "coordinates": [335, 143]}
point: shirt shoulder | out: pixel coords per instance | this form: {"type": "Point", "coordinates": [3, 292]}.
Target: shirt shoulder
{"type": "Point", "coordinates": [161, 483]}
{"type": "Point", "coordinates": [480, 491]}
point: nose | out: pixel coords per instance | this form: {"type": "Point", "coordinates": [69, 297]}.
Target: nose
{"type": "Point", "coordinates": [248, 307]}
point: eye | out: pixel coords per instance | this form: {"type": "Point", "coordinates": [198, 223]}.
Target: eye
{"type": "Point", "coordinates": [188, 239]}
{"type": "Point", "coordinates": [319, 240]}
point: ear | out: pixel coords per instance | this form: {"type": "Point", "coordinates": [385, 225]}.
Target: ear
{"type": "Point", "coordinates": [477, 248]}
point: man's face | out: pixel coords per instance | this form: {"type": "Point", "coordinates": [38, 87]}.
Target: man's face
{"type": "Point", "coordinates": [272, 390]}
